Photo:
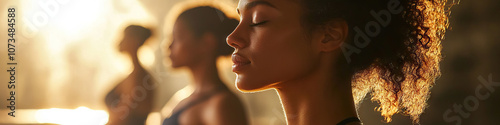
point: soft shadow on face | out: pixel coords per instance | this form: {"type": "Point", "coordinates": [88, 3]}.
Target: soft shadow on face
{"type": "Point", "coordinates": [270, 44]}
{"type": "Point", "coordinates": [183, 50]}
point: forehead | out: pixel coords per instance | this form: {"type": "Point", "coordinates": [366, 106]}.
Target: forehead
{"type": "Point", "coordinates": [179, 28]}
{"type": "Point", "coordinates": [283, 5]}
{"type": "Point", "coordinates": [247, 4]}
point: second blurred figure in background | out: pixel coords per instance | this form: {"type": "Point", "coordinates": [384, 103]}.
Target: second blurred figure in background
{"type": "Point", "coordinates": [130, 102]}
{"type": "Point", "coordinates": [199, 38]}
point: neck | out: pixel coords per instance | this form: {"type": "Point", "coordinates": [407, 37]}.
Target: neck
{"type": "Point", "coordinates": [136, 63]}
{"type": "Point", "coordinates": [205, 75]}
{"type": "Point", "coordinates": [318, 98]}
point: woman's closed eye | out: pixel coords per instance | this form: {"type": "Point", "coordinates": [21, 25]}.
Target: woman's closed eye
{"type": "Point", "coordinates": [257, 24]}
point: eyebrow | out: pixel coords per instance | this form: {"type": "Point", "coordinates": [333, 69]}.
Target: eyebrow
{"type": "Point", "coordinates": [254, 4]}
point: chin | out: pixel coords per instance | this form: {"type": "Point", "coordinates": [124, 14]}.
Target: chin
{"type": "Point", "coordinates": [175, 65]}
{"type": "Point", "coordinates": [248, 86]}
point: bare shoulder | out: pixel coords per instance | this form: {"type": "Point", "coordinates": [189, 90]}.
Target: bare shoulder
{"type": "Point", "coordinates": [225, 108]}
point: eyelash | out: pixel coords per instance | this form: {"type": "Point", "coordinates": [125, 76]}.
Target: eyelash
{"type": "Point", "coordinates": [257, 24]}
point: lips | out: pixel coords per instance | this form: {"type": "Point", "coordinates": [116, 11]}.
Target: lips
{"type": "Point", "coordinates": [239, 62]}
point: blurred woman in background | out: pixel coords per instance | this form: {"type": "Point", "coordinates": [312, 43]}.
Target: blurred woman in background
{"type": "Point", "coordinates": [323, 56]}
{"type": "Point", "coordinates": [131, 101]}
{"type": "Point", "coordinates": [198, 40]}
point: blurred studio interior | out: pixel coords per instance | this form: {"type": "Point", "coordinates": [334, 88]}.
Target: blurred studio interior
{"type": "Point", "coordinates": [68, 60]}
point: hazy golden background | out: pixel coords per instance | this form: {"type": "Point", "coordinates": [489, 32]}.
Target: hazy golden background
{"type": "Point", "coordinates": [70, 59]}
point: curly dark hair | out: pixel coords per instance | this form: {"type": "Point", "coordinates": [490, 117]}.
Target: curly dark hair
{"type": "Point", "coordinates": [398, 58]}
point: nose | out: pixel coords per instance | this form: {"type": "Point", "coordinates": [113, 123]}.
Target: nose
{"type": "Point", "coordinates": [235, 39]}
{"type": "Point", "coordinates": [121, 45]}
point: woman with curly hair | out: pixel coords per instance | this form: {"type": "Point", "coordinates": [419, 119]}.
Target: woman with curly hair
{"type": "Point", "coordinates": [324, 56]}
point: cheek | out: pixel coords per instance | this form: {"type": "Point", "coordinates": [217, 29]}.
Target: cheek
{"type": "Point", "coordinates": [283, 56]}
{"type": "Point", "coordinates": [181, 54]}
{"type": "Point", "coordinates": [174, 54]}
{"type": "Point", "coordinates": [277, 58]}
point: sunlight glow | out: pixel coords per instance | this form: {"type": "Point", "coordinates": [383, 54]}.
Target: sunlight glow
{"type": "Point", "coordinates": [167, 109]}
{"type": "Point", "coordinates": [80, 15]}
{"type": "Point", "coordinates": [146, 56]}
{"type": "Point", "coordinates": [79, 116]}
{"type": "Point", "coordinates": [75, 45]}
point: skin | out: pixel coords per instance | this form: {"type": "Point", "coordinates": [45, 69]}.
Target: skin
{"type": "Point", "coordinates": [298, 63]}
{"type": "Point", "coordinates": [199, 56]}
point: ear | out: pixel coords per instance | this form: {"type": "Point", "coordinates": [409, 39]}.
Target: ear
{"type": "Point", "coordinates": [335, 33]}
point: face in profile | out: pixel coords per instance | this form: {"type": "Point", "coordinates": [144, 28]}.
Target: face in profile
{"type": "Point", "coordinates": [125, 45]}
{"type": "Point", "coordinates": [133, 37]}
{"type": "Point", "coordinates": [130, 43]}
{"type": "Point", "coordinates": [271, 45]}
{"type": "Point", "coordinates": [183, 49]}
